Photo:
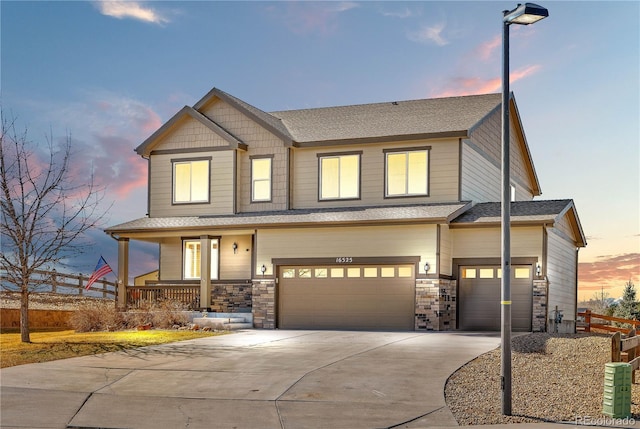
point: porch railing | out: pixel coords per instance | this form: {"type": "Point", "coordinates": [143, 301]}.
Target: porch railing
{"type": "Point", "coordinates": [140, 296]}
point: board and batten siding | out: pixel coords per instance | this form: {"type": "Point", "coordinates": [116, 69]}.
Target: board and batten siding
{"type": "Point", "coordinates": [561, 273]}
{"type": "Point", "coordinates": [358, 241]}
{"type": "Point", "coordinates": [443, 174]}
{"type": "Point", "coordinates": [486, 242]}
{"type": "Point", "coordinates": [233, 266]}
{"type": "Point", "coordinates": [220, 187]}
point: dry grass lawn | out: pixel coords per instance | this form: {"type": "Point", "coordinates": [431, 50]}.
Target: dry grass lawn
{"type": "Point", "coordinates": [46, 346]}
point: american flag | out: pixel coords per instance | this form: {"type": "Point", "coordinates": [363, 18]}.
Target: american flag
{"type": "Point", "coordinates": [102, 269]}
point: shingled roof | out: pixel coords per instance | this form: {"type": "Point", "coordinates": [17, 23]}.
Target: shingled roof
{"type": "Point", "coordinates": [523, 212]}
{"type": "Point", "coordinates": [436, 117]}
{"type": "Point", "coordinates": [434, 213]}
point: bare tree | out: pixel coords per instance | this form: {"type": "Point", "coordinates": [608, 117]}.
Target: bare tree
{"type": "Point", "coordinates": [45, 211]}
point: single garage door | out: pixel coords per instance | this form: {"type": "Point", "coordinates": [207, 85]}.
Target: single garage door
{"type": "Point", "coordinates": [347, 297]}
{"type": "Point", "coordinates": [479, 299]}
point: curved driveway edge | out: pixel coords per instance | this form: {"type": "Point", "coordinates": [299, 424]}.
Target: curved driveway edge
{"type": "Point", "coordinates": [249, 379]}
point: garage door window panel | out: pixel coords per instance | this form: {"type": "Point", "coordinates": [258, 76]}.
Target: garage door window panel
{"type": "Point", "coordinates": [320, 273]}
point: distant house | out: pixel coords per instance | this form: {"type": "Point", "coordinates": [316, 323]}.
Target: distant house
{"type": "Point", "coordinates": [381, 216]}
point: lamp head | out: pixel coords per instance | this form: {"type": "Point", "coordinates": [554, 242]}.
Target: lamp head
{"type": "Point", "coordinates": [525, 14]}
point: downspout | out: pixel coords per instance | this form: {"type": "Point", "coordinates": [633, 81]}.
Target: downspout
{"type": "Point", "coordinates": [575, 316]}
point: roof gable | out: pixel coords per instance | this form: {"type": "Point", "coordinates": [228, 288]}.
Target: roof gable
{"type": "Point", "coordinates": [186, 112]}
{"type": "Point", "coordinates": [269, 122]}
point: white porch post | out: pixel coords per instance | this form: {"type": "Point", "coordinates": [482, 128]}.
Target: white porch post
{"type": "Point", "coordinates": [205, 271]}
{"type": "Point", "coordinates": [123, 272]}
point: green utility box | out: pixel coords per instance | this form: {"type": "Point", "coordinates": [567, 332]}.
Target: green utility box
{"type": "Point", "coordinates": [616, 402]}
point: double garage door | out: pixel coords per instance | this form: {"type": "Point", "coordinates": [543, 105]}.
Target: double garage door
{"type": "Point", "coordinates": [479, 298]}
{"type": "Point", "coordinates": [362, 297]}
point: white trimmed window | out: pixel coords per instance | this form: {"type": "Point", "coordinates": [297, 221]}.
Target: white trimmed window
{"type": "Point", "coordinates": [261, 179]}
{"type": "Point", "coordinates": [339, 176]}
{"type": "Point", "coordinates": [407, 173]}
{"type": "Point", "coordinates": [191, 181]}
{"type": "Point", "coordinates": [191, 258]}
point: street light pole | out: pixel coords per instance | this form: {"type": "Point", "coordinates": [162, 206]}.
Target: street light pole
{"type": "Point", "coordinates": [523, 14]}
{"type": "Point", "coordinates": [505, 233]}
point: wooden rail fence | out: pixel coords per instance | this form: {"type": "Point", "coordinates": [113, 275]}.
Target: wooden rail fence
{"type": "Point", "coordinates": [55, 282]}
{"type": "Point", "coordinates": [589, 324]}
{"type": "Point", "coordinates": [625, 349]}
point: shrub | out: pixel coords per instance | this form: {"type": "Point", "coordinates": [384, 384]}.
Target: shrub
{"type": "Point", "coordinates": [97, 316]}
{"type": "Point", "coordinates": [105, 317]}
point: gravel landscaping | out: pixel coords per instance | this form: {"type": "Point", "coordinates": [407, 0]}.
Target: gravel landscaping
{"type": "Point", "coordinates": [48, 301]}
{"type": "Point", "coordinates": [554, 378]}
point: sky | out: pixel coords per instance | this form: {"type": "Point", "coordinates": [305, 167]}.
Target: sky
{"type": "Point", "coordinates": [110, 73]}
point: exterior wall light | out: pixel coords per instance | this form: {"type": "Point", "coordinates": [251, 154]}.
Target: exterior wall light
{"type": "Point", "coordinates": [426, 267]}
{"type": "Point", "coordinates": [235, 247]}
{"type": "Point", "coordinates": [263, 269]}
{"type": "Point", "coordinates": [538, 269]}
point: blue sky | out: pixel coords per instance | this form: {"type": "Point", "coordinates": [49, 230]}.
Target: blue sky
{"type": "Point", "coordinates": [110, 73]}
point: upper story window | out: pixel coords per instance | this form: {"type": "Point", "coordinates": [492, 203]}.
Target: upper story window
{"type": "Point", "coordinates": [191, 180]}
{"type": "Point", "coordinates": [261, 179]}
{"type": "Point", "coordinates": [407, 172]}
{"type": "Point", "coordinates": [339, 176]}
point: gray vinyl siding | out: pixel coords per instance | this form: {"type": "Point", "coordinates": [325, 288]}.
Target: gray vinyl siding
{"type": "Point", "coordinates": [171, 259]}
{"type": "Point", "coordinates": [260, 142]}
{"type": "Point", "coordinates": [233, 266]}
{"type": "Point", "coordinates": [445, 251]}
{"type": "Point", "coordinates": [486, 242]}
{"type": "Point", "coordinates": [480, 177]}
{"type": "Point", "coordinates": [443, 174]}
{"type": "Point", "coordinates": [561, 273]}
{"type": "Point", "coordinates": [221, 186]}
{"type": "Point", "coordinates": [364, 241]}
{"type": "Point", "coordinates": [486, 138]}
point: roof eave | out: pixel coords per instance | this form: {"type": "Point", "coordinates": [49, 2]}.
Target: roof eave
{"type": "Point", "coordinates": [383, 139]}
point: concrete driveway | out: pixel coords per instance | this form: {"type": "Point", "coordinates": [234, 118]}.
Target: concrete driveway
{"type": "Point", "coordinates": [251, 379]}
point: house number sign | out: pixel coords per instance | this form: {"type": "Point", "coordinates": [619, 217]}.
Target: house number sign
{"type": "Point", "coordinates": [344, 260]}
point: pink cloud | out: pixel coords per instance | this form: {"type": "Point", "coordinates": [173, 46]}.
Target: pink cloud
{"type": "Point", "coordinates": [311, 17]}
{"type": "Point", "coordinates": [610, 273]}
{"type": "Point", "coordinates": [475, 85]}
{"type": "Point", "coordinates": [485, 50]}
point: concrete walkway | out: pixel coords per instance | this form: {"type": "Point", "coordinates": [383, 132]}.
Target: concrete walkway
{"type": "Point", "coordinates": [251, 379]}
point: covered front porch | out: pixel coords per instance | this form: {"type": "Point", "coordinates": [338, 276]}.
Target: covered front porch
{"type": "Point", "coordinates": [209, 271]}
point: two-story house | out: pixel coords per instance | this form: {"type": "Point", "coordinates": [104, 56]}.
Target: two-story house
{"type": "Point", "coordinates": [381, 216]}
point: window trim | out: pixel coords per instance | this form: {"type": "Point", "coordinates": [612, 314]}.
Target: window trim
{"type": "Point", "coordinates": [406, 150]}
{"type": "Point", "coordinates": [197, 239]}
{"type": "Point", "coordinates": [260, 157]}
{"type": "Point", "coordinates": [173, 180]}
{"type": "Point", "coordinates": [322, 156]}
